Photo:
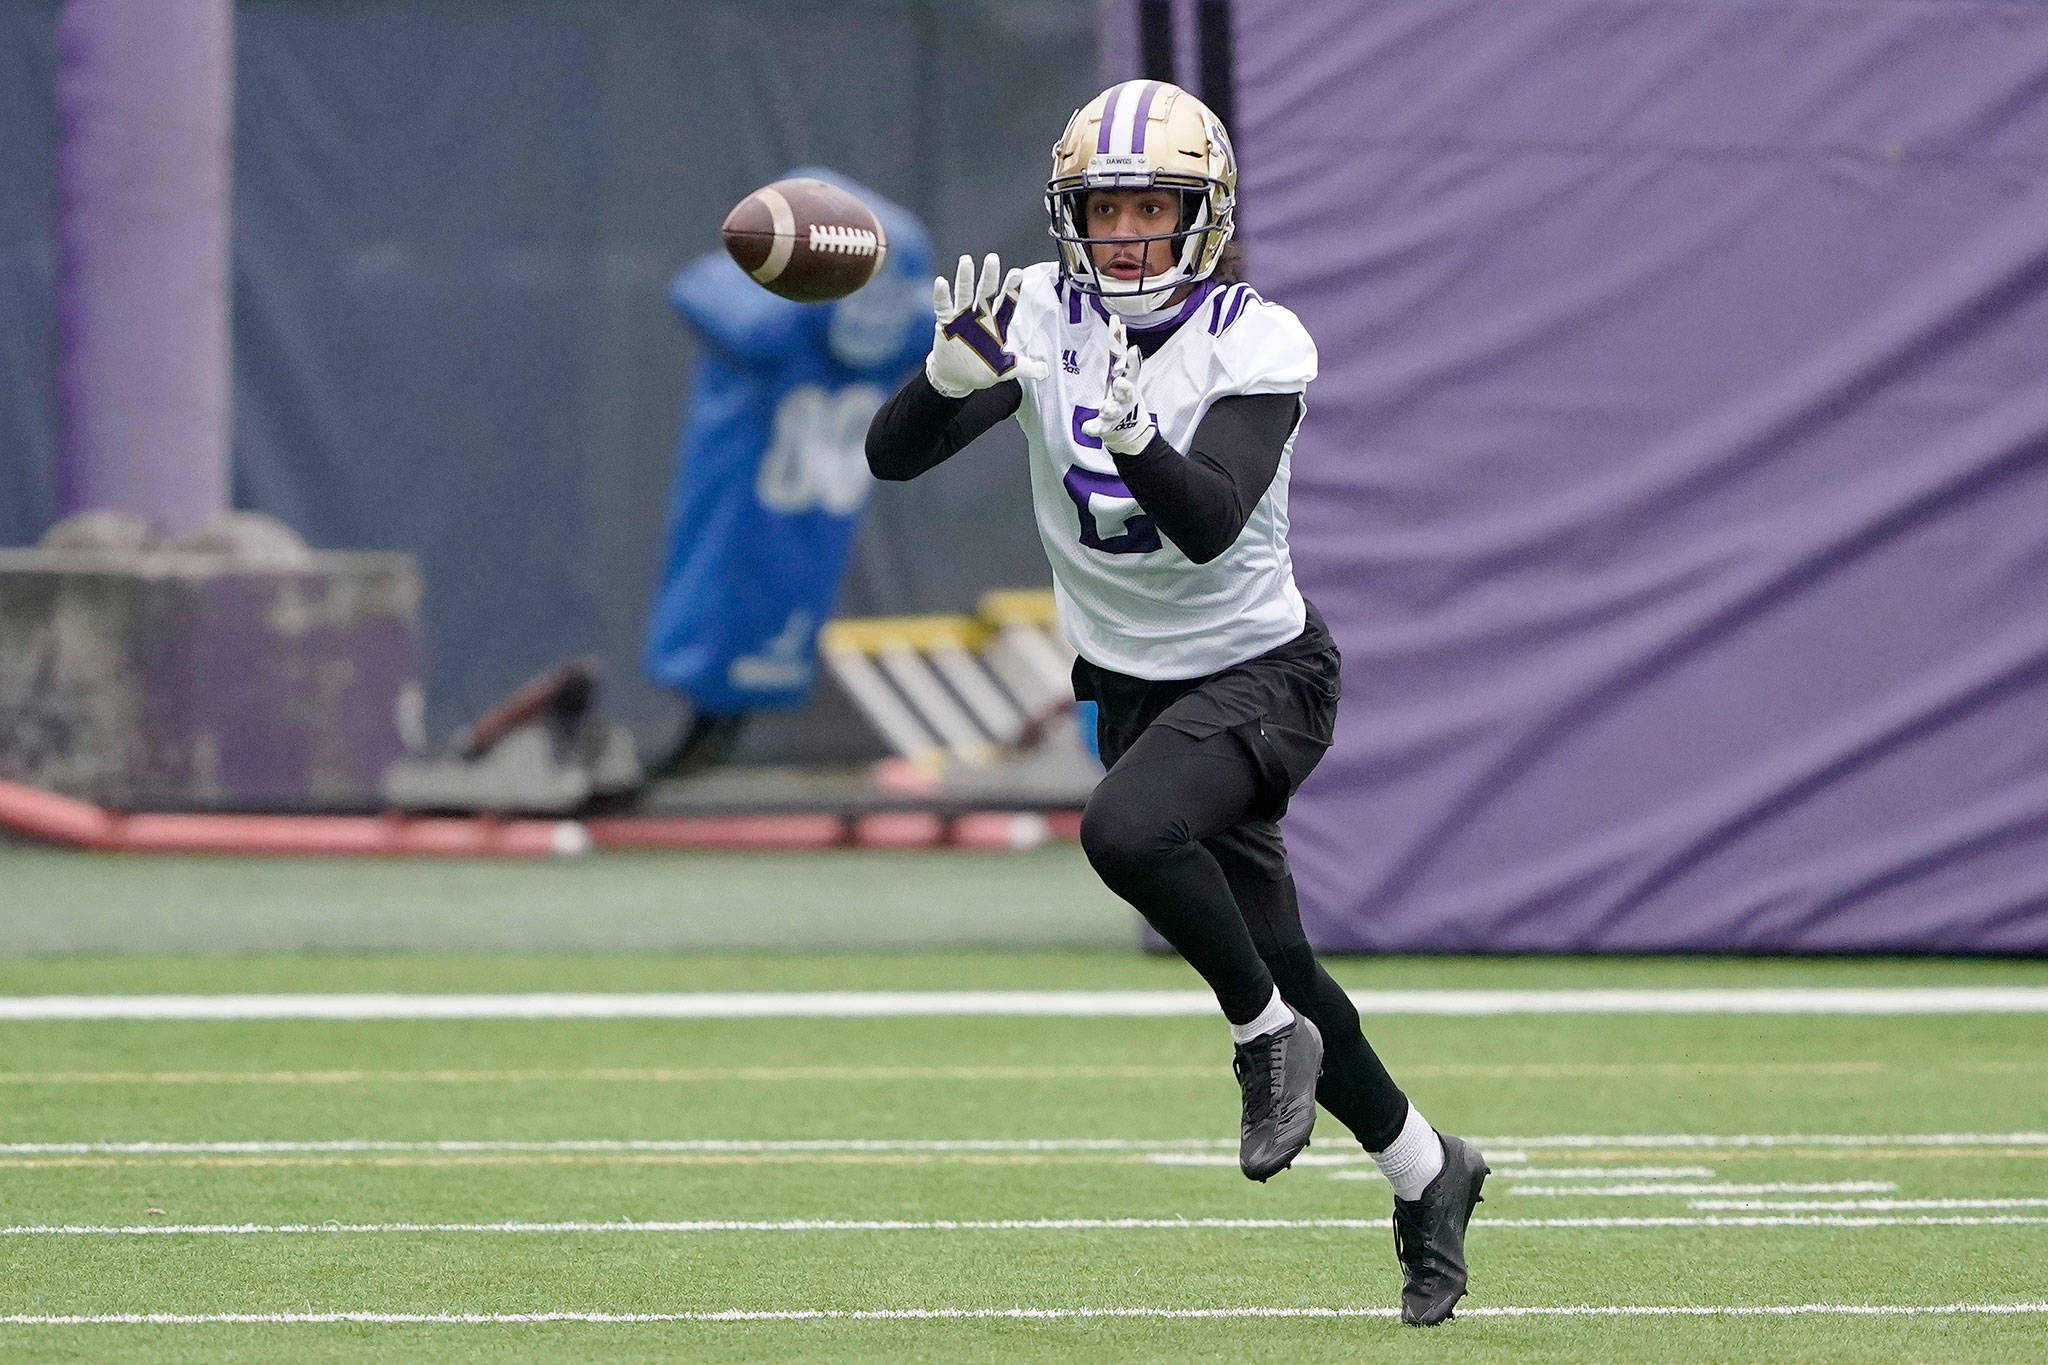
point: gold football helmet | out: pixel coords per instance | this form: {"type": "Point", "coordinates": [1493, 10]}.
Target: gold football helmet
{"type": "Point", "coordinates": [1144, 135]}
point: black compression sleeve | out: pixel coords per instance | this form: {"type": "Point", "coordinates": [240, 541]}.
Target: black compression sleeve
{"type": "Point", "coordinates": [1201, 502]}
{"type": "Point", "coordinates": [921, 427]}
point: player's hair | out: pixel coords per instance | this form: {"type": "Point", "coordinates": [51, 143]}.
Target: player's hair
{"type": "Point", "coordinates": [1230, 264]}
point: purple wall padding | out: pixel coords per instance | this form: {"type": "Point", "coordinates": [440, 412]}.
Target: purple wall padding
{"type": "Point", "coordinates": [1677, 479]}
{"type": "Point", "coordinates": [144, 98]}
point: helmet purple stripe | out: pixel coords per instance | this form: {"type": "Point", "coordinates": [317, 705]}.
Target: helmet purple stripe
{"type": "Point", "coordinates": [1144, 110]}
{"type": "Point", "coordinates": [1109, 115]}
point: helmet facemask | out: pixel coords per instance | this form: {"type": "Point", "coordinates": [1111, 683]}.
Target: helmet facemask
{"type": "Point", "coordinates": [1195, 244]}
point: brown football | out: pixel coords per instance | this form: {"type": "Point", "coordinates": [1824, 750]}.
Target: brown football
{"type": "Point", "coordinates": [805, 240]}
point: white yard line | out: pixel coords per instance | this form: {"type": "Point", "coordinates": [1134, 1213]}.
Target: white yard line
{"type": "Point", "coordinates": [697, 1226]}
{"type": "Point", "coordinates": [1875, 1205]}
{"type": "Point", "coordinates": [814, 1225]}
{"type": "Point", "coordinates": [1630, 1191]}
{"type": "Point", "coordinates": [623, 1075]}
{"type": "Point", "coordinates": [1610, 1172]}
{"type": "Point", "coordinates": [638, 1075]}
{"type": "Point", "coordinates": [1788, 1220]}
{"type": "Point", "coordinates": [1513, 1147]}
{"type": "Point", "coordinates": [1737, 1141]}
{"type": "Point", "coordinates": [1359, 1166]}
{"type": "Point", "coordinates": [1542, 1172]}
{"type": "Point", "coordinates": [716, 1145]}
{"type": "Point", "coordinates": [1209, 1159]}
{"type": "Point", "coordinates": [1067, 1003]}
{"type": "Point", "coordinates": [1884, 1310]}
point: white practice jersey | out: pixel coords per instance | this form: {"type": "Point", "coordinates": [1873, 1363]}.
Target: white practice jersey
{"type": "Point", "coordinates": [1128, 600]}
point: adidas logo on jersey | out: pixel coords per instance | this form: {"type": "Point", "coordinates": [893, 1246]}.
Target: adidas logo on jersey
{"type": "Point", "coordinates": [1070, 361]}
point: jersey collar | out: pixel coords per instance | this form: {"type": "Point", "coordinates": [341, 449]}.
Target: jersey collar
{"type": "Point", "coordinates": [1166, 319]}
{"type": "Point", "coordinates": [1156, 327]}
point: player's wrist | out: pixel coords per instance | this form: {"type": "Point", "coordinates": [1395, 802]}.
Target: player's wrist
{"type": "Point", "coordinates": [1150, 447]}
{"type": "Point", "coordinates": [1130, 436]}
{"type": "Point", "coordinates": [944, 387]}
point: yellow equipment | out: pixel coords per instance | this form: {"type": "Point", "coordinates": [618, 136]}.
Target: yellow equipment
{"type": "Point", "coordinates": [964, 689]}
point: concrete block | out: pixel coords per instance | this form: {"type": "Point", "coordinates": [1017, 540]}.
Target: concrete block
{"type": "Point", "coordinates": [184, 678]}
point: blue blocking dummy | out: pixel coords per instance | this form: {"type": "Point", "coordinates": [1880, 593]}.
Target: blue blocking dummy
{"type": "Point", "coordinates": [773, 475]}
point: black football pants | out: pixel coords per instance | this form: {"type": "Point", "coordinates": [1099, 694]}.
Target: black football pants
{"type": "Point", "coordinates": [1171, 828]}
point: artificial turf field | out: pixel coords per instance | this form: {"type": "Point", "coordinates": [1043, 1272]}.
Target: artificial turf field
{"type": "Point", "coordinates": [1627, 1171]}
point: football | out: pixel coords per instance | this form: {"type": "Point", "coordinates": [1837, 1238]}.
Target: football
{"type": "Point", "coordinates": [805, 240]}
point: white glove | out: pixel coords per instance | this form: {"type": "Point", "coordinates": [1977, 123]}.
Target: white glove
{"type": "Point", "coordinates": [971, 339]}
{"type": "Point", "coordinates": [1124, 426]}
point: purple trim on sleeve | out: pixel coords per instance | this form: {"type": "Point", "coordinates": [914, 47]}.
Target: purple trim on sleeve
{"type": "Point", "coordinates": [1244, 297]}
{"type": "Point", "coordinates": [1073, 306]}
{"type": "Point", "coordinates": [1216, 312]}
{"type": "Point", "coordinates": [1144, 112]}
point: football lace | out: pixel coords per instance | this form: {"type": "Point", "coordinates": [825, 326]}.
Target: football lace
{"type": "Point", "coordinates": [833, 237]}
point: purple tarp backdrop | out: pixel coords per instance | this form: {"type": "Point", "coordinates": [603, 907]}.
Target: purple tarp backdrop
{"type": "Point", "coordinates": [1677, 478]}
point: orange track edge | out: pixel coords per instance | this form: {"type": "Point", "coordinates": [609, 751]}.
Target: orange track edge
{"type": "Point", "coordinates": [46, 817]}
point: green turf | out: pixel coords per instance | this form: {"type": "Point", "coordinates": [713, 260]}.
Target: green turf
{"type": "Point", "coordinates": [982, 1078]}
{"type": "Point", "coordinates": [54, 902]}
{"type": "Point", "coordinates": [944, 970]}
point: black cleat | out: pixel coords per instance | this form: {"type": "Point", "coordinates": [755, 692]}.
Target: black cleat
{"type": "Point", "coordinates": [1277, 1072]}
{"type": "Point", "coordinates": [1429, 1235]}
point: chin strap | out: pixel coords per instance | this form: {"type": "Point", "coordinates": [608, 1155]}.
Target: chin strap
{"type": "Point", "coordinates": [1139, 310]}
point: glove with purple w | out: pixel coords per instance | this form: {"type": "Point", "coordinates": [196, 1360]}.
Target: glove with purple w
{"type": "Point", "coordinates": [970, 345]}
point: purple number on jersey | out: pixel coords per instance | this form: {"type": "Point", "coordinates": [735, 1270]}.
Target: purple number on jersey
{"type": "Point", "coordinates": [1139, 535]}
{"type": "Point", "coordinates": [1082, 438]}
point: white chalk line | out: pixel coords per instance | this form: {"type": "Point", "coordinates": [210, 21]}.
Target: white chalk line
{"type": "Point", "coordinates": [609, 1075]}
{"type": "Point", "coordinates": [805, 1075]}
{"type": "Point", "coordinates": [1789, 1220]}
{"type": "Point", "coordinates": [1222, 1159]}
{"type": "Point", "coordinates": [831, 1225]}
{"type": "Point", "coordinates": [1515, 1145]}
{"type": "Point", "coordinates": [1024, 1314]}
{"type": "Point", "coordinates": [698, 1226]}
{"type": "Point", "coordinates": [1055, 1003]}
{"type": "Point", "coordinates": [1659, 1173]}
{"type": "Point", "coordinates": [1636, 1190]}
{"type": "Point", "coordinates": [1875, 1205]}
{"type": "Point", "coordinates": [711, 1145]}
{"type": "Point", "coordinates": [1359, 1166]}
{"type": "Point", "coordinates": [1740, 1141]}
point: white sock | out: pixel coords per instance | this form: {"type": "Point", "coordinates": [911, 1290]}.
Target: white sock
{"type": "Point", "coordinates": [1413, 1159]}
{"type": "Point", "coordinates": [1274, 1017]}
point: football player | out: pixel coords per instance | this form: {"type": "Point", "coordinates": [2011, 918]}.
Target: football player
{"type": "Point", "coordinates": [1160, 397]}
